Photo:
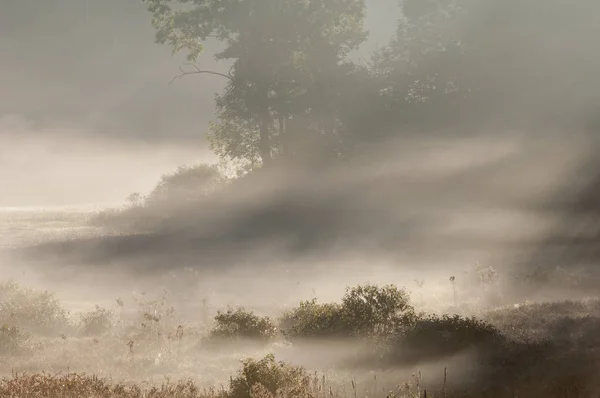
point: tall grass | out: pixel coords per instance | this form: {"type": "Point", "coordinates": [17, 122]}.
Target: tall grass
{"type": "Point", "coordinates": [558, 359]}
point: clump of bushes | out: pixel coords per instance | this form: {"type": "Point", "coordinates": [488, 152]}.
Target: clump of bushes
{"type": "Point", "coordinates": [12, 340]}
{"type": "Point", "coordinates": [268, 378]}
{"type": "Point", "coordinates": [186, 185]}
{"type": "Point", "coordinates": [365, 311]}
{"type": "Point", "coordinates": [384, 318]}
{"type": "Point", "coordinates": [377, 311]}
{"type": "Point", "coordinates": [314, 320]}
{"type": "Point", "coordinates": [432, 336]}
{"type": "Point", "coordinates": [32, 311]}
{"type": "Point", "coordinates": [96, 322]}
{"type": "Point", "coordinates": [242, 324]}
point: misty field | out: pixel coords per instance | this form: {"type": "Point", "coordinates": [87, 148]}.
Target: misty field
{"type": "Point", "coordinates": [309, 199]}
{"type": "Point", "coordinates": [372, 340]}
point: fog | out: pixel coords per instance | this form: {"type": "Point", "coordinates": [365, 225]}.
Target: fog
{"type": "Point", "coordinates": [89, 114]}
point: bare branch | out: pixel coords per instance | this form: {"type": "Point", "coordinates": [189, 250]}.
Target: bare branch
{"type": "Point", "coordinates": [198, 71]}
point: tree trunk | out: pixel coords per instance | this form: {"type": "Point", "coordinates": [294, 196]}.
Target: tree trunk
{"type": "Point", "coordinates": [265, 121]}
{"type": "Point", "coordinates": [264, 144]}
{"type": "Point", "coordinates": [283, 139]}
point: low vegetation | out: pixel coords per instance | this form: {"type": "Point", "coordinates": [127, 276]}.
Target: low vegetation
{"type": "Point", "coordinates": [434, 337]}
{"type": "Point", "coordinates": [13, 341]}
{"type": "Point", "coordinates": [188, 185]}
{"type": "Point", "coordinates": [32, 311]}
{"type": "Point", "coordinates": [97, 322]}
{"type": "Point", "coordinates": [561, 342]}
{"type": "Point", "coordinates": [257, 378]}
{"type": "Point", "coordinates": [242, 324]}
{"type": "Point", "coordinates": [365, 311]}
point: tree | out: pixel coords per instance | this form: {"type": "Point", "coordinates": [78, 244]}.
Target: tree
{"type": "Point", "coordinates": [489, 64]}
{"type": "Point", "coordinates": [284, 53]}
{"type": "Point", "coordinates": [426, 80]}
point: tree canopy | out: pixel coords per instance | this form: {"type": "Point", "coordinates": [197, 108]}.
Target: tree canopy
{"type": "Point", "coordinates": [293, 93]}
{"type": "Point", "coordinates": [286, 57]}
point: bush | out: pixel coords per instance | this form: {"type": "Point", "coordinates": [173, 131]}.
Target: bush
{"type": "Point", "coordinates": [97, 322]}
{"type": "Point", "coordinates": [313, 320]}
{"type": "Point", "coordinates": [32, 311]}
{"type": "Point", "coordinates": [266, 377]}
{"type": "Point", "coordinates": [434, 337]}
{"type": "Point", "coordinates": [12, 340]}
{"type": "Point", "coordinates": [366, 311]}
{"type": "Point", "coordinates": [377, 311]}
{"type": "Point", "coordinates": [187, 184]}
{"type": "Point", "coordinates": [244, 324]}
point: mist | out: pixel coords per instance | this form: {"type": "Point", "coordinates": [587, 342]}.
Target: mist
{"type": "Point", "coordinates": [454, 157]}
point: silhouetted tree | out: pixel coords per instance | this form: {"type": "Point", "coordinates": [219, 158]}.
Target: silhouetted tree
{"type": "Point", "coordinates": [286, 55]}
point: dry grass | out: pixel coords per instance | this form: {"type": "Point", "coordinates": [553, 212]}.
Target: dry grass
{"type": "Point", "coordinates": [297, 385]}
{"type": "Point", "coordinates": [74, 385]}
{"type": "Point", "coordinates": [153, 352]}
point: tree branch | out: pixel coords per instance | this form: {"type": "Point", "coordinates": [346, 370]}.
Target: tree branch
{"type": "Point", "coordinates": [198, 71]}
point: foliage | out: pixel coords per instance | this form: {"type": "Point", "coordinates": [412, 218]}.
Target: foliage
{"type": "Point", "coordinates": [365, 311]}
{"type": "Point", "coordinates": [12, 340]}
{"type": "Point", "coordinates": [97, 322]}
{"type": "Point", "coordinates": [240, 323]}
{"type": "Point", "coordinates": [187, 184]}
{"type": "Point", "coordinates": [286, 55]}
{"type": "Point", "coordinates": [279, 379]}
{"type": "Point", "coordinates": [32, 311]}
{"type": "Point", "coordinates": [559, 362]}
{"type": "Point", "coordinates": [258, 378]}
{"type": "Point", "coordinates": [234, 139]}
{"type": "Point", "coordinates": [377, 311]}
{"type": "Point", "coordinates": [432, 336]}
{"type": "Point", "coordinates": [313, 320]}
{"type": "Point", "coordinates": [135, 199]}
{"type": "Point", "coordinates": [425, 81]}
{"type": "Point", "coordinates": [156, 317]}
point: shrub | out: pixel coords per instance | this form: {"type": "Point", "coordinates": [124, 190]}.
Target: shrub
{"type": "Point", "coordinates": [185, 187]}
{"type": "Point", "coordinates": [433, 336]}
{"type": "Point", "coordinates": [187, 184]}
{"type": "Point", "coordinates": [96, 322]}
{"type": "Point", "coordinates": [377, 311]}
{"type": "Point", "coordinates": [365, 311]}
{"type": "Point", "coordinates": [30, 310]}
{"type": "Point", "coordinates": [12, 340]}
{"type": "Point", "coordinates": [313, 320]}
{"type": "Point", "coordinates": [266, 376]}
{"type": "Point", "coordinates": [240, 323]}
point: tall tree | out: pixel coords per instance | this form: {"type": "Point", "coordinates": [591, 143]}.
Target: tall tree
{"type": "Point", "coordinates": [481, 63]}
{"type": "Point", "coordinates": [283, 53]}
{"type": "Point", "coordinates": [424, 67]}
